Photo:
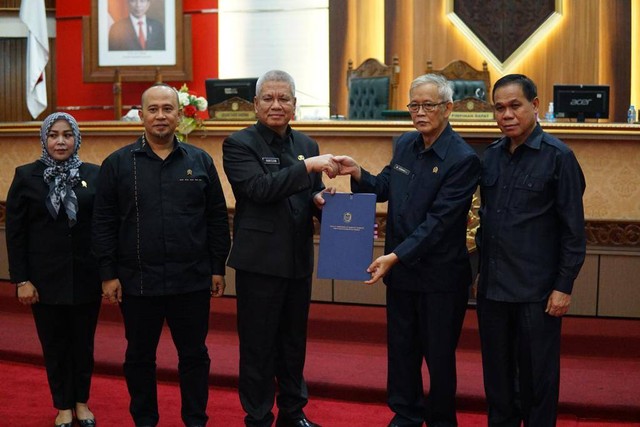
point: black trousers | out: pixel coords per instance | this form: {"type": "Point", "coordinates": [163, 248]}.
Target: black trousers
{"type": "Point", "coordinates": [423, 326]}
{"type": "Point", "coordinates": [520, 361]}
{"type": "Point", "coordinates": [272, 328]}
{"type": "Point", "coordinates": [66, 333]}
{"type": "Point", "coordinates": [187, 316]}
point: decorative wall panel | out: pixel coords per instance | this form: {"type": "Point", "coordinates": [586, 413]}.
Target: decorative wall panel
{"type": "Point", "coordinates": [503, 25]}
{"type": "Point", "coordinates": [504, 29]}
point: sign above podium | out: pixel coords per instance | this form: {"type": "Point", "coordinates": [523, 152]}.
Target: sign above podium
{"type": "Point", "coordinates": [233, 109]}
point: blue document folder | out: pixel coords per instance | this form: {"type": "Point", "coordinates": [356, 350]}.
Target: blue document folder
{"type": "Point", "coordinates": [346, 236]}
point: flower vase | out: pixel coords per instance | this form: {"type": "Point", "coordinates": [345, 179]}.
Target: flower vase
{"type": "Point", "coordinates": [186, 126]}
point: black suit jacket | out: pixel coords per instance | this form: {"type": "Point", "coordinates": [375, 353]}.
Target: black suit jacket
{"type": "Point", "coordinates": [122, 35]}
{"type": "Point", "coordinates": [56, 258]}
{"type": "Point", "coordinates": [273, 223]}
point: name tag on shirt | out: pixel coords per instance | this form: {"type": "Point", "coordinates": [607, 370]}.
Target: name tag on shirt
{"type": "Point", "coordinates": [271, 160]}
{"type": "Point", "coordinates": [401, 169]}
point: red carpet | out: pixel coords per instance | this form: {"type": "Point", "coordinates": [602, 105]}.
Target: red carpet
{"type": "Point", "coordinates": [346, 366]}
{"type": "Point", "coordinates": [23, 385]}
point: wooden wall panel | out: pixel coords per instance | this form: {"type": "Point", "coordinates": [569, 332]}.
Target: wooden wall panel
{"type": "Point", "coordinates": [589, 45]}
{"type": "Point", "coordinates": [431, 36]}
{"type": "Point", "coordinates": [369, 29]}
{"type": "Point", "coordinates": [618, 291]}
{"type": "Point", "coordinates": [338, 56]}
{"type": "Point", "coordinates": [584, 298]}
{"type": "Point", "coordinates": [10, 105]}
{"type": "Point", "coordinates": [614, 64]}
{"type": "Point", "coordinates": [13, 106]}
{"type": "Point", "coordinates": [566, 55]}
{"type": "Point", "coordinates": [563, 57]}
{"type": "Point", "coordinates": [355, 33]}
{"type": "Point", "coordinates": [399, 17]}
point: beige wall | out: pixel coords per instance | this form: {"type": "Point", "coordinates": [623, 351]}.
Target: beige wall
{"type": "Point", "coordinates": [612, 172]}
{"type": "Point", "coordinates": [609, 154]}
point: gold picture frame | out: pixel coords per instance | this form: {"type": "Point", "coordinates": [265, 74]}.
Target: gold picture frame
{"type": "Point", "coordinates": [101, 64]}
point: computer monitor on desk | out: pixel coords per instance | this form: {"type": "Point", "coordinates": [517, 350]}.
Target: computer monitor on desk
{"type": "Point", "coordinates": [231, 99]}
{"type": "Point", "coordinates": [581, 102]}
{"type": "Point", "coordinates": [219, 90]}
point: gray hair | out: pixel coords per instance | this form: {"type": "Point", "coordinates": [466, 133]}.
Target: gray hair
{"type": "Point", "coordinates": [276, 76]}
{"type": "Point", "coordinates": [445, 88]}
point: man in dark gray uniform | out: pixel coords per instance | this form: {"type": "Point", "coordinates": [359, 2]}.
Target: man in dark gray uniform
{"type": "Point", "coordinates": [276, 176]}
{"type": "Point", "coordinates": [429, 185]}
{"type": "Point", "coordinates": [532, 245]}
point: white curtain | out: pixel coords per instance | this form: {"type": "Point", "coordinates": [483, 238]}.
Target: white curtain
{"type": "Point", "coordinates": [256, 36]}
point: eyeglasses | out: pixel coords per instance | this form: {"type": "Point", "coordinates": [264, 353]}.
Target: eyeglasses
{"type": "Point", "coordinates": [428, 107]}
{"type": "Point", "coordinates": [270, 100]}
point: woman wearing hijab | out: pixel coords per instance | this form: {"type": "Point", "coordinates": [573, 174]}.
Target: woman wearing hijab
{"type": "Point", "coordinates": [49, 208]}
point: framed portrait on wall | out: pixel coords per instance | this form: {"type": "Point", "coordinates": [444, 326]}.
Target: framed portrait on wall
{"type": "Point", "coordinates": [137, 38]}
{"type": "Point", "coordinates": [136, 32]}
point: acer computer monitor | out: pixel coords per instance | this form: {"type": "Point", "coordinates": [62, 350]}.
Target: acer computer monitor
{"type": "Point", "coordinates": [581, 102]}
{"type": "Point", "coordinates": [219, 90]}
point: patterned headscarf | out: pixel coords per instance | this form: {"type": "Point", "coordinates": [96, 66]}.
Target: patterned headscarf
{"type": "Point", "coordinates": [61, 176]}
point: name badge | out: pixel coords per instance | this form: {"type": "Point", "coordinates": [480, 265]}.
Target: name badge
{"type": "Point", "coordinates": [271, 160]}
{"type": "Point", "coordinates": [401, 169]}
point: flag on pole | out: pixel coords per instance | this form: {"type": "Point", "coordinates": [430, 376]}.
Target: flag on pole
{"type": "Point", "coordinates": [34, 16]}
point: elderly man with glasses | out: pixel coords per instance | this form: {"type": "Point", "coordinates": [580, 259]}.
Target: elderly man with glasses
{"type": "Point", "coordinates": [429, 184]}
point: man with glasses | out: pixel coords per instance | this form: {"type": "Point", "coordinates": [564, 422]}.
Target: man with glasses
{"type": "Point", "coordinates": [276, 176]}
{"type": "Point", "coordinates": [429, 185]}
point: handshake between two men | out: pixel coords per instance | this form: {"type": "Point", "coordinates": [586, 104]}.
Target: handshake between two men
{"type": "Point", "coordinates": [333, 165]}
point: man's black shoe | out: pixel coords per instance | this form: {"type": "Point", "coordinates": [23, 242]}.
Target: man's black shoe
{"type": "Point", "coordinates": [286, 421]}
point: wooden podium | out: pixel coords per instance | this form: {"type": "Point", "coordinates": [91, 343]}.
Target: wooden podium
{"type": "Point", "coordinates": [233, 109]}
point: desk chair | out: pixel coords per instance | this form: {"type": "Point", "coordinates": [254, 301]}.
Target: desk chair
{"type": "Point", "coordinates": [470, 86]}
{"type": "Point", "coordinates": [372, 88]}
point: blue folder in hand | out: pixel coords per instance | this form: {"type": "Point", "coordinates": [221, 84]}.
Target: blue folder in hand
{"type": "Point", "coordinates": [346, 236]}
